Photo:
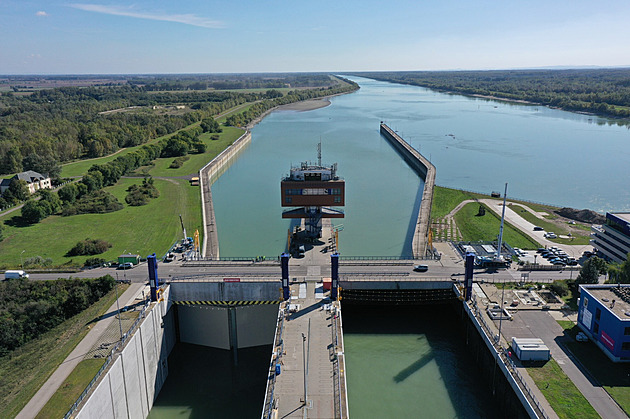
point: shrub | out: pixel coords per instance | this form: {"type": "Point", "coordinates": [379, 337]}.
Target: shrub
{"type": "Point", "coordinates": [97, 202]}
{"type": "Point", "coordinates": [178, 162]}
{"type": "Point", "coordinates": [37, 261]}
{"type": "Point", "coordinates": [560, 288]}
{"type": "Point", "coordinates": [89, 247]}
{"type": "Point", "coordinates": [94, 262]}
{"type": "Point", "coordinates": [141, 194]}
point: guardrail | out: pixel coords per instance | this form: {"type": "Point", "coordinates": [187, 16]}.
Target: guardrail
{"type": "Point", "coordinates": [510, 367]}
{"type": "Point", "coordinates": [108, 361]}
{"type": "Point", "coordinates": [269, 404]}
{"type": "Point", "coordinates": [336, 367]}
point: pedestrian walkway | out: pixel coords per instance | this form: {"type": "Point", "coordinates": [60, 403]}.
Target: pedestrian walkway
{"type": "Point", "coordinates": [84, 347]}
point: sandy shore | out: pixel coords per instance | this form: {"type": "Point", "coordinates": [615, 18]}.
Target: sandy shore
{"type": "Point", "coordinates": [306, 105]}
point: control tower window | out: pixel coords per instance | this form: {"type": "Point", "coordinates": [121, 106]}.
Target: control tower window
{"type": "Point", "coordinates": [312, 176]}
{"type": "Point", "coordinates": [288, 199]}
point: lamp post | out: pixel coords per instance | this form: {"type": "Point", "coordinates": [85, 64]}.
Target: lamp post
{"type": "Point", "coordinates": [21, 263]}
{"type": "Point", "coordinates": [118, 307]}
{"type": "Point", "coordinates": [304, 361]}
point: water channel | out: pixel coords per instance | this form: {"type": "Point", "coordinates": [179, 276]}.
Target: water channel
{"type": "Point", "coordinates": [546, 155]}
{"type": "Point", "coordinates": [400, 361]}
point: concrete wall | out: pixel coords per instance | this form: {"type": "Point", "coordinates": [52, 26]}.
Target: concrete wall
{"type": "Point", "coordinates": [130, 385]}
{"type": "Point", "coordinates": [207, 175]}
{"type": "Point", "coordinates": [426, 170]}
{"type": "Point", "coordinates": [225, 291]}
{"type": "Point", "coordinates": [395, 285]}
{"type": "Point", "coordinates": [210, 326]}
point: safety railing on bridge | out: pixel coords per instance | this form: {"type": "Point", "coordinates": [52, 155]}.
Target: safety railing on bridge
{"type": "Point", "coordinates": [337, 386]}
{"type": "Point", "coordinates": [108, 361]}
{"type": "Point", "coordinates": [276, 357]}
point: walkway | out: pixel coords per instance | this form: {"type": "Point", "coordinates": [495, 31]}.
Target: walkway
{"type": "Point", "coordinates": [539, 324]}
{"type": "Point", "coordinates": [49, 388]}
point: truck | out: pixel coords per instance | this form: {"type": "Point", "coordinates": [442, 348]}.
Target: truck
{"type": "Point", "coordinates": [15, 274]}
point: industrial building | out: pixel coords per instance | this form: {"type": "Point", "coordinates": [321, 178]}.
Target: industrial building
{"type": "Point", "coordinates": [612, 239]}
{"type": "Point", "coordinates": [604, 315]}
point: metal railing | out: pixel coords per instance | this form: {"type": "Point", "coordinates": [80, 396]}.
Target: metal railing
{"type": "Point", "coordinates": [108, 361]}
{"type": "Point", "coordinates": [509, 364]}
{"type": "Point", "coordinates": [336, 366]}
{"type": "Point", "coordinates": [271, 380]}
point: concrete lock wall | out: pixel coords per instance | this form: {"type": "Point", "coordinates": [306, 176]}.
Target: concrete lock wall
{"type": "Point", "coordinates": [129, 387]}
{"type": "Point", "coordinates": [210, 326]}
{"type": "Point", "coordinates": [225, 291]}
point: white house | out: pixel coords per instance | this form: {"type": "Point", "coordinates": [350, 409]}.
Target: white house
{"type": "Point", "coordinates": [33, 180]}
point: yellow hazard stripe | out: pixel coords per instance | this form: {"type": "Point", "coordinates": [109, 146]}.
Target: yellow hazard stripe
{"type": "Point", "coordinates": [226, 303]}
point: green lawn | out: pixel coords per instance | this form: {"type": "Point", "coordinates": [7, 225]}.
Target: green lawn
{"type": "Point", "coordinates": [549, 226]}
{"type": "Point", "coordinates": [613, 377]}
{"type": "Point", "coordinates": [197, 161]}
{"type": "Point", "coordinates": [446, 199]}
{"type": "Point", "coordinates": [71, 389]}
{"type": "Point", "coordinates": [80, 167]}
{"type": "Point", "coordinates": [474, 228]}
{"type": "Point", "coordinates": [143, 230]}
{"type": "Point", "coordinates": [24, 371]}
{"type": "Point", "coordinates": [565, 399]}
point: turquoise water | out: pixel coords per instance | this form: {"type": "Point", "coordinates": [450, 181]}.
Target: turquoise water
{"type": "Point", "coordinates": [410, 362]}
{"type": "Point", "coordinates": [545, 155]}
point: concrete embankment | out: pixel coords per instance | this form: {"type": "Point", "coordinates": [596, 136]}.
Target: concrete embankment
{"type": "Point", "coordinates": [207, 176]}
{"type": "Point", "coordinates": [426, 170]}
{"type": "Point", "coordinates": [134, 379]}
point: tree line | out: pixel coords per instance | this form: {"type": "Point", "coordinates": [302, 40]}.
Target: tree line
{"type": "Point", "coordinates": [603, 92]}
{"type": "Point", "coordinates": [30, 308]}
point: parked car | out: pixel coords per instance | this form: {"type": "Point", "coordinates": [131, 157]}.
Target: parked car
{"type": "Point", "coordinates": [536, 228]}
{"type": "Point", "coordinates": [126, 265]}
{"type": "Point", "coordinates": [421, 268]}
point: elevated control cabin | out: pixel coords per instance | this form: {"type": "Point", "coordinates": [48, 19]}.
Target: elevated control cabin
{"type": "Point", "coordinates": [313, 189]}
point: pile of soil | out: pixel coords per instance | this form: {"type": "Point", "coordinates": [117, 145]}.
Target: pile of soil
{"type": "Point", "coordinates": [584, 216]}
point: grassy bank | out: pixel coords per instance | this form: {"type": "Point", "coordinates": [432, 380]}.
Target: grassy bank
{"type": "Point", "coordinates": [580, 234]}
{"type": "Point", "coordinates": [613, 377]}
{"type": "Point", "coordinates": [563, 396]}
{"type": "Point", "coordinates": [486, 227]}
{"type": "Point", "coordinates": [143, 230]}
{"type": "Point", "coordinates": [25, 370]}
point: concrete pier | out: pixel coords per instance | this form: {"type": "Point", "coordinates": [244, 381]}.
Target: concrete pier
{"type": "Point", "coordinates": [426, 170]}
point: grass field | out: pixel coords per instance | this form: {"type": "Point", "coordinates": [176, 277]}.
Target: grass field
{"type": "Point", "coordinates": [71, 389]}
{"type": "Point", "coordinates": [565, 399]}
{"type": "Point", "coordinates": [445, 200]}
{"type": "Point", "coordinates": [197, 161]}
{"type": "Point", "coordinates": [142, 230]}
{"type": "Point", "coordinates": [549, 226]}
{"type": "Point", "coordinates": [613, 377]}
{"type": "Point", "coordinates": [474, 228]}
{"type": "Point", "coordinates": [25, 370]}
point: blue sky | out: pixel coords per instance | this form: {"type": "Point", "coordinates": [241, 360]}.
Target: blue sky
{"type": "Point", "coordinates": [206, 36]}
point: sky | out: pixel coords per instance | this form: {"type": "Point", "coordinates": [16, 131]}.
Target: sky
{"type": "Point", "coordinates": [237, 36]}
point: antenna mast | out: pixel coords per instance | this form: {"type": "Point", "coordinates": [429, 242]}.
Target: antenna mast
{"type": "Point", "coordinates": [319, 152]}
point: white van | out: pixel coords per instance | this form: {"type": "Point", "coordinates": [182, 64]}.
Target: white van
{"type": "Point", "coordinates": [15, 275]}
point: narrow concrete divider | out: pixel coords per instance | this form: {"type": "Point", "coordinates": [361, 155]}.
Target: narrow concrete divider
{"type": "Point", "coordinates": [207, 176]}
{"type": "Point", "coordinates": [426, 170]}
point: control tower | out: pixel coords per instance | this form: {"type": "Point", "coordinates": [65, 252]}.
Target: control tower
{"type": "Point", "coordinates": [314, 189]}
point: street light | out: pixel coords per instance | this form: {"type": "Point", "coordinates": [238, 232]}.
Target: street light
{"type": "Point", "coordinates": [21, 263]}
{"type": "Point", "coordinates": [118, 307]}
{"type": "Point", "coordinates": [304, 361]}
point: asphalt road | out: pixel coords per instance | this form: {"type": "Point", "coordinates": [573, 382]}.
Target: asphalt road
{"type": "Point", "coordinates": [399, 271]}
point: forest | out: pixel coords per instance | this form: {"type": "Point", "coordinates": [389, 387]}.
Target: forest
{"type": "Point", "coordinates": [44, 128]}
{"type": "Point", "coordinates": [30, 308]}
{"type": "Point", "coordinates": [604, 92]}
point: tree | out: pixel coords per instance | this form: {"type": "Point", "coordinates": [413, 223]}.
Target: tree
{"type": "Point", "coordinates": [69, 193]}
{"type": "Point", "coordinates": [589, 274]}
{"type": "Point", "coordinates": [46, 165]}
{"type": "Point", "coordinates": [18, 190]}
{"type": "Point", "coordinates": [33, 212]}
{"type": "Point", "coordinates": [210, 125]}
{"type": "Point", "coordinates": [52, 199]}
